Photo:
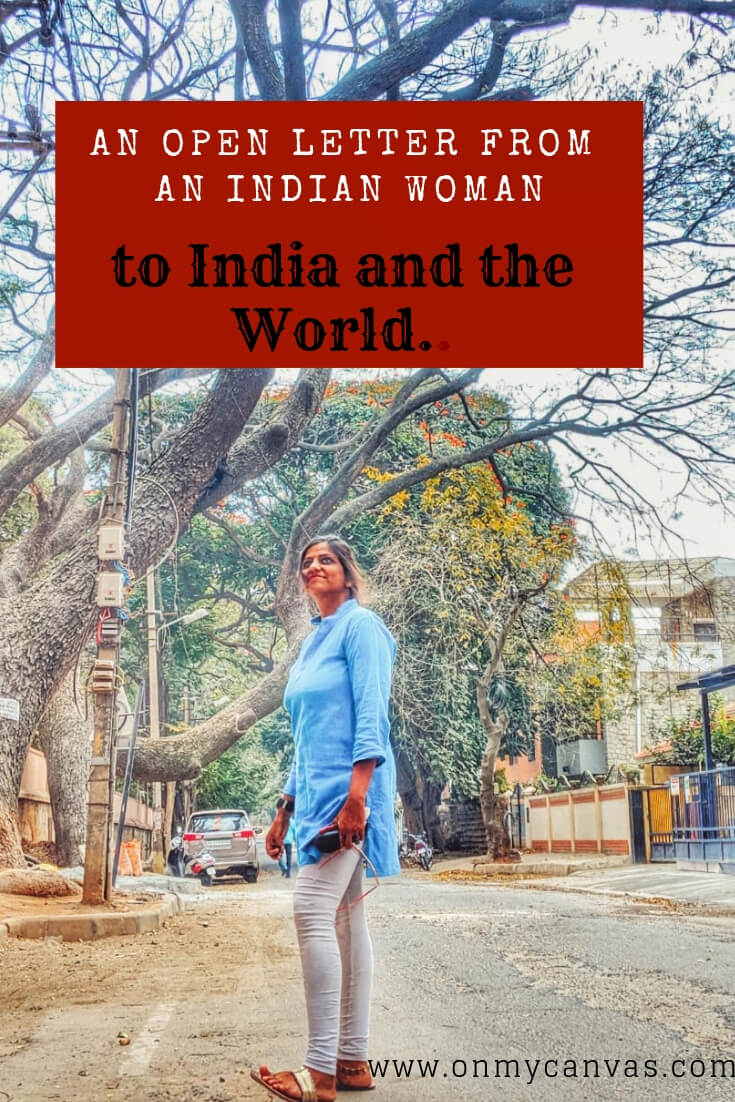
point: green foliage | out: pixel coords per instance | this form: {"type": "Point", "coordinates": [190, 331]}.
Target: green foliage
{"type": "Point", "coordinates": [275, 736]}
{"type": "Point", "coordinates": [580, 679]}
{"type": "Point", "coordinates": [10, 288]}
{"type": "Point", "coordinates": [461, 552]}
{"type": "Point", "coordinates": [243, 776]}
{"type": "Point", "coordinates": [23, 513]}
{"type": "Point", "coordinates": [547, 784]}
{"type": "Point", "coordinates": [229, 561]}
{"type": "Point", "coordinates": [687, 738]}
{"type": "Point", "coordinates": [501, 781]}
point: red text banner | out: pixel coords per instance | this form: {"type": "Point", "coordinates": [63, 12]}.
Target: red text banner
{"type": "Point", "coordinates": [349, 235]}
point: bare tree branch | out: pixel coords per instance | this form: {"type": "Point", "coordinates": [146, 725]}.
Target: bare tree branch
{"type": "Point", "coordinates": [60, 442]}
{"type": "Point", "coordinates": [259, 450]}
{"type": "Point", "coordinates": [18, 393]}
{"type": "Point", "coordinates": [292, 49]}
{"type": "Point", "coordinates": [250, 17]}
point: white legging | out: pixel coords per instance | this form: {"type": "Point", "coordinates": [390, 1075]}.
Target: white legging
{"type": "Point", "coordinates": [336, 959]}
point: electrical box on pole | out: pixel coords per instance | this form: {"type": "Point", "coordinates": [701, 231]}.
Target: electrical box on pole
{"type": "Point", "coordinates": [110, 590]}
{"type": "Point", "coordinates": [110, 542]}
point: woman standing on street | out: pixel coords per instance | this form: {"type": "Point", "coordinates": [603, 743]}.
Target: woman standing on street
{"type": "Point", "coordinates": [343, 771]}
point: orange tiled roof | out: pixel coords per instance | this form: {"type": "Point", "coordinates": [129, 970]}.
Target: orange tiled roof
{"type": "Point", "coordinates": [659, 748]}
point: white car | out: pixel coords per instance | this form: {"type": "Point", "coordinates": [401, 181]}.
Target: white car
{"type": "Point", "coordinates": [228, 836]}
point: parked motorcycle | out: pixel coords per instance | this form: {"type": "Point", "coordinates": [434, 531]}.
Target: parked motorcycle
{"type": "Point", "coordinates": [202, 866]}
{"type": "Point", "coordinates": [415, 850]}
{"type": "Point", "coordinates": [175, 860]}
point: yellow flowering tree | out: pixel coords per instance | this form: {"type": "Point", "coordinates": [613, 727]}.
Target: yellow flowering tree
{"type": "Point", "coordinates": [465, 561]}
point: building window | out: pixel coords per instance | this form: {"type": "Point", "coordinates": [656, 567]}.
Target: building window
{"type": "Point", "coordinates": [704, 629]}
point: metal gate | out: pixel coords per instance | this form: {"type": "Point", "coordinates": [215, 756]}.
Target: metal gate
{"type": "Point", "coordinates": [704, 815]}
{"type": "Point", "coordinates": [660, 824]}
{"type": "Point", "coordinates": [651, 824]}
{"type": "Point", "coordinates": [515, 818]}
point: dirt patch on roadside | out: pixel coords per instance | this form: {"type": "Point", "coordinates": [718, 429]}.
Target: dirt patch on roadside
{"type": "Point", "coordinates": [24, 906]}
{"type": "Point", "coordinates": [470, 876]}
{"type": "Point", "coordinates": [190, 953]}
{"type": "Point", "coordinates": [175, 1015]}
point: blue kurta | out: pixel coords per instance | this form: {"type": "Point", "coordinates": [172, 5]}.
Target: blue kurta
{"type": "Point", "coordinates": [337, 697]}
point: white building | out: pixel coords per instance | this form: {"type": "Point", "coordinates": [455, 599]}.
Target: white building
{"type": "Point", "coordinates": [678, 619]}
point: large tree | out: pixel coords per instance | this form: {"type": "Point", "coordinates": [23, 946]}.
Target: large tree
{"type": "Point", "coordinates": [455, 581]}
{"type": "Point", "coordinates": [444, 531]}
{"type": "Point", "coordinates": [677, 408]}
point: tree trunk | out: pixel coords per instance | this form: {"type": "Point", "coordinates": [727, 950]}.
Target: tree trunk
{"type": "Point", "coordinates": [13, 750]}
{"type": "Point", "coordinates": [45, 623]}
{"type": "Point", "coordinates": [493, 734]}
{"type": "Point", "coordinates": [66, 740]}
{"type": "Point", "coordinates": [431, 794]}
{"type": "Point", "coordinates": [22, 691]}
{"type": "Point", "coordinates": [420, 798]}
{"type": "Point", "coordinates": [498, 842]}
{"type": "Point", "coordinates": [168, 818]}
{"type": "Point", "coordinates": [188, 794]}
{"type": "Point", "coordinates": [407, 790]}
{"type": "Point", "coordinates": [11, 852]}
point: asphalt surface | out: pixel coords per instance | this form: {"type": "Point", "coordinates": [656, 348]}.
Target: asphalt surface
{"type": "Point", "coordinates": [486, 973]}
{"type": "Point", "coordinates": [470, 979]}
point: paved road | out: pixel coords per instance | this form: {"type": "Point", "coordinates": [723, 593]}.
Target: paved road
{"type": "Point", "coordinates": [507, 974]}
{"type": "Point", "coordinates": [467, 975]}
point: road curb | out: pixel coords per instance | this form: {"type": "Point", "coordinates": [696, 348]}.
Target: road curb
{"type": "Point", "coordinates": [547, 868]}
{"type": "Point", "coordinates": [90, 927]}
{"type": "Point", "coordinates": [535, 868]}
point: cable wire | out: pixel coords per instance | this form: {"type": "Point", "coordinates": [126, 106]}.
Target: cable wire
{"type": "Point", "coordinates": [132, 444]}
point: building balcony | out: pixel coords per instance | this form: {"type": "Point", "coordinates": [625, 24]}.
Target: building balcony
{"type": "Point", "coordinates": [686, 654]}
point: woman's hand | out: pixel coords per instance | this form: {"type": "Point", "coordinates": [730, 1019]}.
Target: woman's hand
{"type": "Point", "coordinates": [351, 821]}
{"type": "Point", "coordinates": [276, 834]}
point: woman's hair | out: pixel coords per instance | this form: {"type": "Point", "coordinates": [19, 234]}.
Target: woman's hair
{"type": "Point", "coordinates": [342, 550]}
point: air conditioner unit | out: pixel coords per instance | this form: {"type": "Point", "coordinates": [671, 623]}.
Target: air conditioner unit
{"type": "Point", "coordinates": [580, 756]}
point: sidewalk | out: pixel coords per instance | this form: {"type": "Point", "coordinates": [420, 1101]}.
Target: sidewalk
{"type": "Point", "coordinates": [666, 881]}
{"type": "Point", "coordinates": [611, 876]}
{"type": "Point", "coordinates": [140, 905]}
{"type": "Point", "coordinates": [74, 922]}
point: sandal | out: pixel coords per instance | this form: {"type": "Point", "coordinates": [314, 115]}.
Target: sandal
{"type": "Point", "coordinates": [304, 1082]}
{"type": "Point", "coordinates": [343, 1077]}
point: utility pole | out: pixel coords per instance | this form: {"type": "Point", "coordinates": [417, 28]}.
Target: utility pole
{"type": "Point", "coordinates": [110, 599]}
{"type": "Point", "coordinates": [155, 712]}
{"type": "Point", "coordinates": [187, 786]}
